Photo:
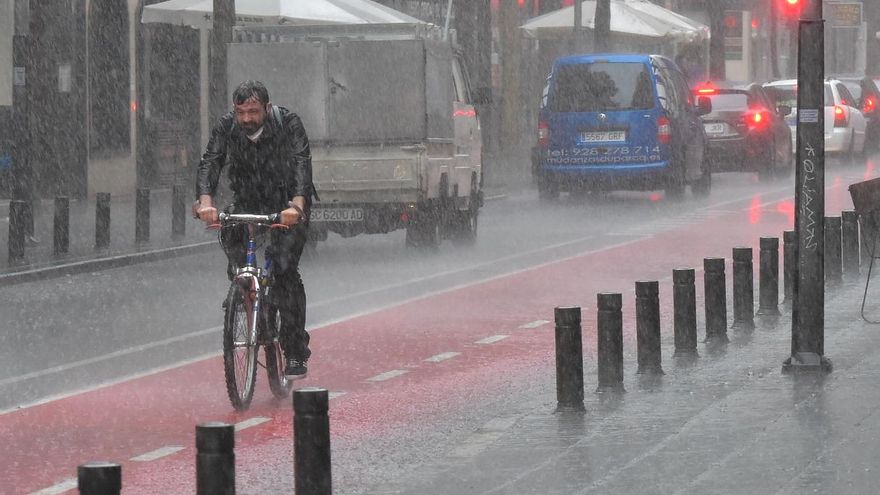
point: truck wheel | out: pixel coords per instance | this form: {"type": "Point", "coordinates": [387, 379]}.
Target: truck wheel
{"type": "Point", "coordinates": [675, 184]}
{"type": "Point", "coordinates": [465, 222]}
{"type": "Point", "coordinates": [423, 233]}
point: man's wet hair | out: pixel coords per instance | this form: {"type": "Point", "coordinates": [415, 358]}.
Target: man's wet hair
{"type": "Point", "coordinates": [250, 89]}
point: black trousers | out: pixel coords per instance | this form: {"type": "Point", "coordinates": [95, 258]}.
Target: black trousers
{"type": "Point", "coordinates": [287, 292]}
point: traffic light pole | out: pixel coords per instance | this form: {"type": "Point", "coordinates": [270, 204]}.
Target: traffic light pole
{"type": "Point", "coordinates": [808, 310]}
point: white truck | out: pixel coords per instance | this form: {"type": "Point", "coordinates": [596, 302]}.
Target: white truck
{"type": "Point", "coordinates": [394, 134]}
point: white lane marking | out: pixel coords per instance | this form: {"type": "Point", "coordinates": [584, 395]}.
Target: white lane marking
{"type": "Point", "coordinates": [110, 355]}
{"type": "Point", "coordinates": [387, 375]}
{"type": "Point", "coordinates": [535, 324]}
{"type": "Point", "coordinates": [258, 420]}
{"type": "Point", "coordinates": [66, 485]}
{"type": "Point", "coordinates": [491, 340]}
{"type": "Point", "coordinates": [157, 454]}
{"type": "Point", "coordinates": [333, 395]}
{"type": "Point", "coordinates": [442, 357]}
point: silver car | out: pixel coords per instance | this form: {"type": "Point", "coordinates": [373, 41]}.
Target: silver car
{"type": "Point", "coordinates": [844, 123]}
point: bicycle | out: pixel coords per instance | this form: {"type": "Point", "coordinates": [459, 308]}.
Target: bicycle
{"type": "Point", "coordinates": [250, 319]}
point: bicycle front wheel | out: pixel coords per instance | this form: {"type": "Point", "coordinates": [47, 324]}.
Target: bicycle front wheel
{"type": "Point", "coordinates": [279, 384]}
{"type": "Point", "coordinates": [239, 349]}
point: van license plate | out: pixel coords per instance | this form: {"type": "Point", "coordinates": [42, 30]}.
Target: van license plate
{"type": "Point", "coordinates": [336, 215]}
{"type": "Point", "coordinates": [603, 137]}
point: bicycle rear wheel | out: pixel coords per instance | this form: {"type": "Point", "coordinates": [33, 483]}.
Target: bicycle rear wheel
{"type": "Point", "coordinates": [279, 383]}
{"type": "Point", "coordinates": [239, 350]}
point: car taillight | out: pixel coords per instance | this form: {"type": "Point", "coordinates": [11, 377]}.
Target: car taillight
{"type": "Point", "coordinates": [839, 116]}
{"type": "Point", "coordinates": [543, 134]}
{"type": "Point", "coordinates": [870, 105]}
{"type": "Point", "coordinates": [757, 119]}
{"type": "Point", "coordinates": [664, 130]}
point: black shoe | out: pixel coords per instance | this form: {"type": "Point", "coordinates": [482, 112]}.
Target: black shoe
{"type": "Point", "coordinates": [296, 367]}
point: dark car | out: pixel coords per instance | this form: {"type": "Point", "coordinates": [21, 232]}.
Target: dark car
{"type": "Point", "coordinates": [746, 131]}
{"type": "Point", "coordinates": [619, 121]}
{"type": "Point", "coordinates": [867, 94]}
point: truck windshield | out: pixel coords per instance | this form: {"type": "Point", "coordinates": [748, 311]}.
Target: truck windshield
{"type": "Point", "coordinates": [602, 86]}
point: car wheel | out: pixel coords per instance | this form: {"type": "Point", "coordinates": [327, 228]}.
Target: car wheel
{"type": "Point", "coordinates": [675, 184]}
{"type": "Point", "coordinates": [766, 173]}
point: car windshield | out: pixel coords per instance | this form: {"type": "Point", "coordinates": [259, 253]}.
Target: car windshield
{"type": "Point", "coordinates": [787, 95]}
{"type": "Point", "coordinates": [602, 86]}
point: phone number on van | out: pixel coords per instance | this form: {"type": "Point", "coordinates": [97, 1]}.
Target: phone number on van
{"type": "Point", "coordinates": [610, 154]}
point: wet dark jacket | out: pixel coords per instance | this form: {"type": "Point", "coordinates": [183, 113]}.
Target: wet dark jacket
{"type": "Point", "coordinates": [263, 175]}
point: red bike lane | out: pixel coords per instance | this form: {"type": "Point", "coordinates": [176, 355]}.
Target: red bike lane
{"type": "Point", "coordinates": [399, 366]}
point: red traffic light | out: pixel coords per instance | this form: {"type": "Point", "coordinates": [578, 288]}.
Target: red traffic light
{"type": "Point", "coordinates": [791, 8]}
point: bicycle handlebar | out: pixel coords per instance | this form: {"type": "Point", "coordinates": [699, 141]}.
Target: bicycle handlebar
{"type": "Point", "coordinates": [273, 220]}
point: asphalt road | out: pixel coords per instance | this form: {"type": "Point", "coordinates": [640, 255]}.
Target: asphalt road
{"type": "Point", "coordinates": [82, 332]}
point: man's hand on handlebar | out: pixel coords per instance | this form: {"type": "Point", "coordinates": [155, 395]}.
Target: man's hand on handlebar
{"type": "Point", "coordinates": [295, 213]}
{"type": "Point", "coordinates": [205, 211]}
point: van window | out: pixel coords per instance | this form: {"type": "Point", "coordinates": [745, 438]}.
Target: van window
{"type": "Point", "coordinates": [602, 86]}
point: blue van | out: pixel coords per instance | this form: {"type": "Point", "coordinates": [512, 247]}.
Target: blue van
{"type": "Point", "coordinates": [620, 121]}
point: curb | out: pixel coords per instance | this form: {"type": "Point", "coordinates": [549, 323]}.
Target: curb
{"type": "Point", "coordinates": [101, 263]}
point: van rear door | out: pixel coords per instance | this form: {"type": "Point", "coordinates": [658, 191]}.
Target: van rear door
{"type": "Point", "coordinates": [603, 113]}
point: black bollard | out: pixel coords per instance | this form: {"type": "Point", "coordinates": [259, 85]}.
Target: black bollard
{"type": "Point", "coordinates": [743, 289]}
{"type": "Point", "coordinates": [178, 210]}
{"type": "Point", "coordinates": [61, 238]}
{"type": "Point", "coordinates": [569, 359]}
{"type": "Point", "coordinates": [610, 344]}
{"type": "Point", "coordinates": [849, 244]}
{"type": "Point", "coordinates": [102, 220]}
{"type": "Point", "coordinates": [648, 327]}
{"type": "Point", "coordinates": [833, 271]}
{"type": "Point", "coordinates": [768, 277]}
{"type": "Point", "coordinates": [17, 231]}
{"type": "Point", "coordinates": [311, 442]}
{"type": "Point", "coordinates": [789, 259]}
{"type": "Point", "coordinates": [715, 300]}
{"type": "Point", "coordinates": [99, 478]}
{"type": "Point", "coordinates": [215, 459]}
{"type": "Point", "coordinates": [684, 300]}
{"type": "Point", "coordinates": [142, 215]}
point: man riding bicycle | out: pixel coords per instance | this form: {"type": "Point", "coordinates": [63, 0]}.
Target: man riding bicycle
{"type": "Point", "coordinates": [270, 171]}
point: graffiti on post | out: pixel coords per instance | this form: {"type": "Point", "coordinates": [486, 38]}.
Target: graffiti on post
{"type": "Point", "coordinates": [808, 191]}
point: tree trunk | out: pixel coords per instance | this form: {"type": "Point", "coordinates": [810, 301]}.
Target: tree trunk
{"type": "Point", "coordinates": [224, 20]}
{"type": "Point", "coordinates": [602, 28]}
{"type": "Point", "coordinates": [715, 9]}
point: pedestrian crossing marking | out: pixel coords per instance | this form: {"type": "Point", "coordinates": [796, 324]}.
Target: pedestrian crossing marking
{"type": "Point", "coordinates": [491, 340]}
{"type": "Point", "coordinates": [442, 357]}
{"type": "Point", "coordinates": [157, 454]}
{"type": "Point", "coordinates": [387, 375]}
{"type": "Point", "coordinates": [66, 485]}
{"type": "Point", "coordinates": [258, 420]}
{"type": "Point", "coordinates": [534, 324]}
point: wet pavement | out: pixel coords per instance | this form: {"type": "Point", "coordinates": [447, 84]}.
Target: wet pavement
{"type": "Point", "coordinates": [40, 261]}
{"type": "Point", "coordinates": [727, 422]}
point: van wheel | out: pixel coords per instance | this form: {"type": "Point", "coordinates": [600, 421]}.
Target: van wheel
{"type": "Point", "coordinates": [547, 191]}
{"type": "Point", "coordinates": [702, 186]}
{"type": "Point", "coordinates": [675, 184]}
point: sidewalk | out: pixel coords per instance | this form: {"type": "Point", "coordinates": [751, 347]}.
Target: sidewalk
{"type": "Point", "coordinates": [41, 262]}
{"type": "Point", "coordinates": [728, 422]}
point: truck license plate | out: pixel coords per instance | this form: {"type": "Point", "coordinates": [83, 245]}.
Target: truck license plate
{"type": "Point", "coordinates": [336, 215]}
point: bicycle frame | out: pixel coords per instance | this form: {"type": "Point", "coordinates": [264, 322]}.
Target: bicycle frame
{"type": "Point", "coordinates": [253, 282]}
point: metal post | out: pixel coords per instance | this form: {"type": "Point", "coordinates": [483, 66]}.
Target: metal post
{"type": "Point", "coordinates": [833, 267]}
{"type": "Point", "coordinates": [610, 342]}
{"type": "Point", "coordinates": [102, 220]}
{"type": "Point", "coordinates": [789, 258]}
{"type": "Point", "coordinates": [569, 359]}
{"type": "Point", "coordinates": [99, 478]}
{"type": "Point", "coordinates": [684, 300]}
{"type": "Point", "coordinates": [648, 327]}
{"type": "Point", "coordinates": [61, 238]}
{"type": "Point", "coordinates": [215, 459]}
{"type": "Point", "coordinates": [808, 311]}
{"type": "Point", "coordinates": [768, 277]}
{"type": "Point", "coordinates": [311, 442]}
{"type": "Point", "coordinates": [715, 300]}
{"type": "Point", "coordinates": [743, 289]}
{"type": "Point", "coordinates": [17, 230]}
{"type": "Point", "coordinates": [142, 215]}
{"type": "Point", "coordinates": [178, 210]}
{"type": "Point", "coordinates": [849, 244]}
